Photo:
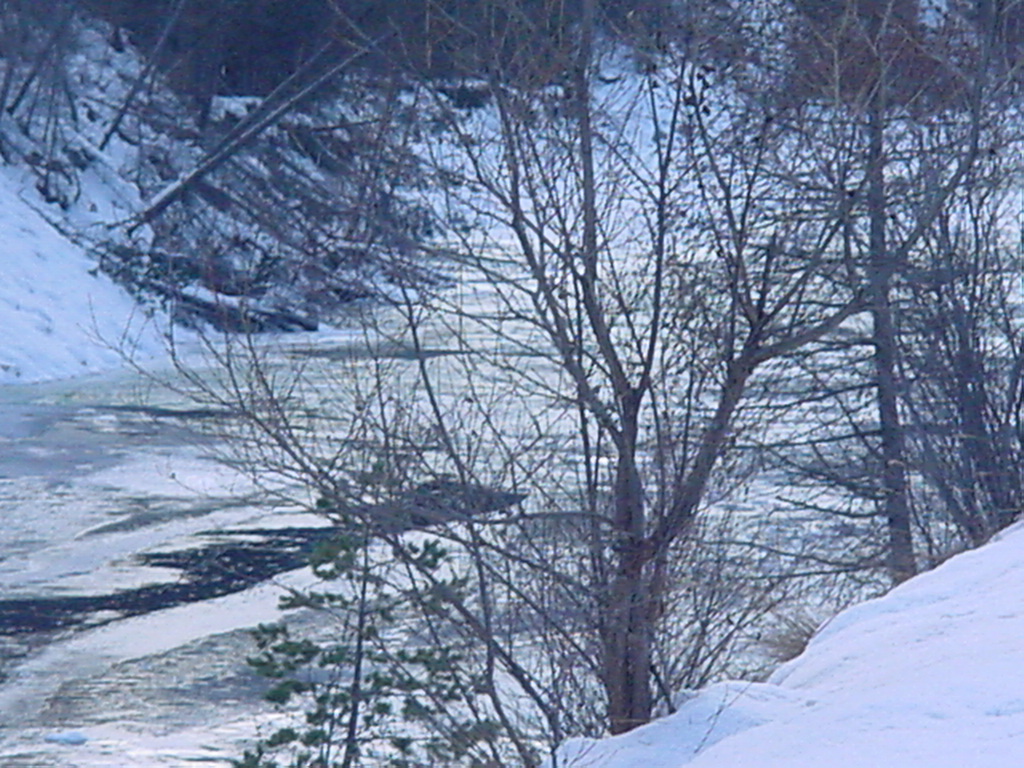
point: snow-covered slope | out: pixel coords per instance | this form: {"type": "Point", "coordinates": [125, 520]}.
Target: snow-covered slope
{"type": "Point", "coordinates": [60, 316]}
{"type": "Point", "coordinates": [929, 676]}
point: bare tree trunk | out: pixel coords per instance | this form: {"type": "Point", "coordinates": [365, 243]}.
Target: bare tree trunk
{"type": "Point", "coordinates": [896, 504]}
{"type": "Point", "coordinates": [630, 610]}
{"type": "Point", "coordinates": [629, 631]}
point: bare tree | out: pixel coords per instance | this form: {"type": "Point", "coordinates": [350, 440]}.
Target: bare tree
{"type": "Point", "coordinates": [917, 98]}
{"type": "Point", "coordinates": [602, 366]}
{"type": "Point", "coordinates": [963, 362]}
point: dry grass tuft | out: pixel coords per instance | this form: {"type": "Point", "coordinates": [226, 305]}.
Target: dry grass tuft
{"type": "Point", "coordinates": [790, 634]}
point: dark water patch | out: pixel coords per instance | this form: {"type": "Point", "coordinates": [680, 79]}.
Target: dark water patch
{"type": "Point", "coordinates": [159, 412]}
{"type": "Point", "coordinates": [383, 351]}
{"type": "Point", "coordinates": [236, 560]}
{"type": "Point", "coordinates": [214, 570]}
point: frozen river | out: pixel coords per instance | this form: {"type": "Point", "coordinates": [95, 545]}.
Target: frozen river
{"type": "Point", "coordinates": [104, 481]}
{"type": "Point", "coordinates": [109, 654]}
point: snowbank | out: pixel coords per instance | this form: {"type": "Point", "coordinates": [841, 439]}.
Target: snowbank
{"type": "Point", "coordinates": [929, 676]}
{"type": "Point", "coordinates": [60, 316]}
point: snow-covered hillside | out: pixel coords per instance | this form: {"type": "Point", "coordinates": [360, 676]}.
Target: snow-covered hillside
{"type": "Point", "coordinates": [929, 676]}
{"type": "Point", "coordinates": [60, 316]}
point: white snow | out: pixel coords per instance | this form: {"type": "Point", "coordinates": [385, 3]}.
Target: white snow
{"type": "Point", "coordinates": [60, 316]}
{"type": "Point", "coordinates": [930, 675]}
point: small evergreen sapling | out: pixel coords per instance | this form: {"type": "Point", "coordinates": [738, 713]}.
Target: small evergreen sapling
{"type": "Point", "coordinates": [380, 684]}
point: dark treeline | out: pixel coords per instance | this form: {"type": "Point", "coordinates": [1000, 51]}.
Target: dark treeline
{"type": "Point", "coordinates": [224, 47]}
{"type": "Point", "coordinates": [246, 47]}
